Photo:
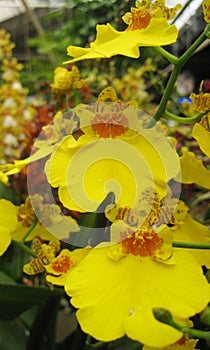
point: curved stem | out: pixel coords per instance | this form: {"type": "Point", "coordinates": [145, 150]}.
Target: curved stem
{"type": "Point", "coordinates": [30, 229]}
{"type": "Point", "coordinates": [171, 58]}
{"type": "Point", "coordinates": [24, 248]}
{"type": "Point", "coordinates": [173, 77]}
{"type": "Point", "coordinates": [190, 245]}
{"type": "Point", "coordinates": [187, 120]}
{"type": "Point", "coordinates": [187, 54]}
{"type": "Point", "coordinates": [195, 333]}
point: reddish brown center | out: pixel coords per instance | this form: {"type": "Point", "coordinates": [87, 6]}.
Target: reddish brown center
{"type": "Point", "coordinates": [139, 19]}
{"type": "Point", "coordinates": [62, 264]}
{"type": "Point", "coordinates": [143, 243]}
{"type": "Point", "coordinates": [109, 125]}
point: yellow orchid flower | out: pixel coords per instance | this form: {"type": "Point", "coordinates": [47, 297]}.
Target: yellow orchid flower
{"type": "Point", "coordinates": [152, 212]}
{"type": "Point", "coordinates": [201, 101]}
{"type": "Point", "coordinates": [56, 262]}
{"type": "Point", "coordinates": [15, 224]}
{"type": "Point", "coordinates": [116, 288]}
{"type": "Point", "coordinates": [64, 79]}
{"type": "Point", "coordinates": [115, 154]}
{"type": "Point", "coordinates": [45, 254]}
{"type": "Point", "coordinates": [63, 264]}
{"type": "Point", "coordinates": [120, 284]}
{"type": "Point", "coordinates": [147, 26]}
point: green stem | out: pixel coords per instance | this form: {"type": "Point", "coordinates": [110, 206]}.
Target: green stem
{"type": "Point", "coordinates": [195, 333]}
{"type": "Point", "coordinates": [173, 78]}
{"type": "Point", "coordinates": [187, 120]}
{"type": "Point", "coordinates": [30, 229]}
{"type": "Point", "coordinates": [187, 54]}
{"type": "Point", "coordinates": [166, 95]}
{"type": "Point", "coordinates": [88, 341]}
{"type": "Point", "coordinates": [24, 248]}
{"type": "Point", "coordinates": [190, 245]}
{"type": "Point", "coordinates": [171, 58]}
{"type": "Point", "coordinates": [164, 316]}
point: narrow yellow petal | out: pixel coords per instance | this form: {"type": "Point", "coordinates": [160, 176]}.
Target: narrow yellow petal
{"type": "Point", "coordinates": [110, 42]}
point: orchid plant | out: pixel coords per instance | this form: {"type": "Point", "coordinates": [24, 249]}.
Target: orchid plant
{"type": "Point", "coordinates": [105, 225]}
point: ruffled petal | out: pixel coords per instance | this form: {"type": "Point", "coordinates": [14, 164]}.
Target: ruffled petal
{"type": "Point", "coordinates": [193, 170]}
{"type": "Point", "coordinates": [87, 170]}
{"type": "Point", "coordinates": [115, 298]}
{"type": "Point", "coordinates": [110, 42]}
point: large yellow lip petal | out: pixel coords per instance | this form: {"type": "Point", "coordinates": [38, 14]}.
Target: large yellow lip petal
{"type": "Point", "coordinates": [117, 298]}
{"type": "Point", "coordinates": [110, 42]}
{"type": "Point", "coordinates": [85, 171]}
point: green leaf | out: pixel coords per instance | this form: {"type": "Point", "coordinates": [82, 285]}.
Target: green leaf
{"type": "Point", "coordinates": [43, 327]}
{"type": "Point", "coordinates": [15, 299]}
{"type": "Point", "coordinates": [12, 335]}
{"type": "Point", "coordinates": [12, 262]}
{"type": "Point", "coordinates": [5, 279]}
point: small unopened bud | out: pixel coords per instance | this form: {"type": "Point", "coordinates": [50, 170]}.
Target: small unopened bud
{"type": "Point", "coordinates": [162, 315]}
{"type": "Point", "coordinates": [205, 316]}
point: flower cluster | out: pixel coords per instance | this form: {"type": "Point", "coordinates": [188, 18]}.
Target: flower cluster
{"type": "Point", "coordinates": [106, 217]}
{"type": "Point", "coordinates": [14, 109]}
